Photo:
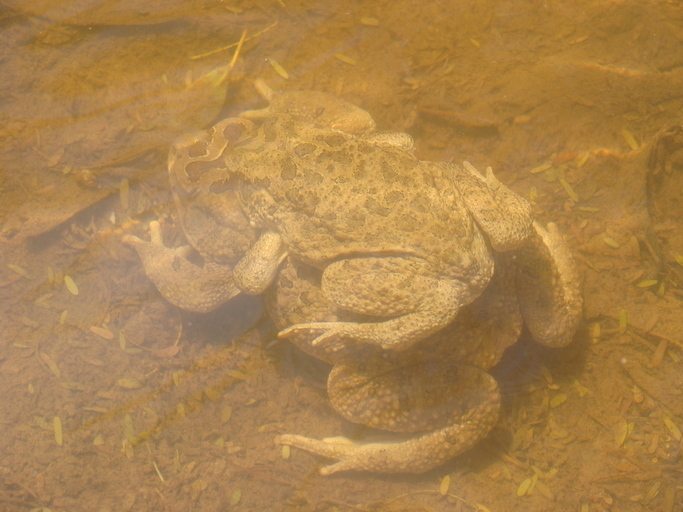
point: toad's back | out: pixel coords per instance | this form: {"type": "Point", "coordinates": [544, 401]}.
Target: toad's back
{"type": "Point", "coordinates": [331, 194]}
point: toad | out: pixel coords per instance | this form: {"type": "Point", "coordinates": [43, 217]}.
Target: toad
{"type": "Point", "coordinates": [436, 399]}
{"type": "Point", "coordinates": [411, 277]}
{"type": "Point", "coordinates": [405, 241]}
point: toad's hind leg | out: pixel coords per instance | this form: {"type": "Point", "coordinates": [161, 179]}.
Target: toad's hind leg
{"type": "Point", "coordinates": [416, 301]}
{"type": "Point", "coordinates": [474, 400]}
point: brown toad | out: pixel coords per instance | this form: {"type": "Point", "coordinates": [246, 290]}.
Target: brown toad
{"type": "Point", "coordinates": [400, 249]}
{"type": "Point", "coordinates": [436, 398]}
{"type": "Point", "coordinates": [405, 241]}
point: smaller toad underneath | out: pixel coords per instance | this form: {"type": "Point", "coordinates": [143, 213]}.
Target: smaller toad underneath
{"type": "Point", "coordinates": [401, 247]}
{"type": "Point", "coordinates": [436, 398]}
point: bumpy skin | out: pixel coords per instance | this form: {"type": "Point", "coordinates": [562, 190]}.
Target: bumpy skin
{"type": "Point", "coordinates": [435, 393]}
{"type": "Point", "coordinates": [404, 241]}
{"type": "Point", "coordinates": [395, 237]}
{"type": "Point", "coordinates": [381, 251]}
{"type": "Point", "coordinates": [439, 390]}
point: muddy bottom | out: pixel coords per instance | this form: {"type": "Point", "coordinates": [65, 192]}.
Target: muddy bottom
{"type": "Point", "coordinates": [114, 400]}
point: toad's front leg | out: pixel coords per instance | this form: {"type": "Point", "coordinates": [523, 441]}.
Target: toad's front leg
{"type": "Point", "coordinates": [181, 282]}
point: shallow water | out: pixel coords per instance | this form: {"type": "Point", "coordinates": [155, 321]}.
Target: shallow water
{"type": "Point", "coordinates": [574, 105]}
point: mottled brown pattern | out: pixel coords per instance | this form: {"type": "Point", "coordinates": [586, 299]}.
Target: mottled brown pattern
{"type": "Point", "coordinates": [389, 273]}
